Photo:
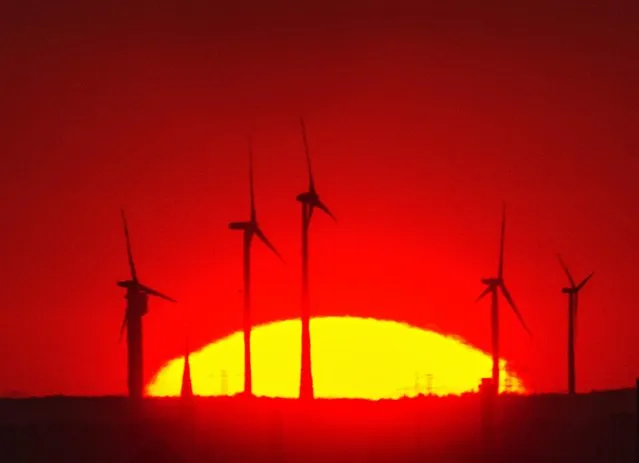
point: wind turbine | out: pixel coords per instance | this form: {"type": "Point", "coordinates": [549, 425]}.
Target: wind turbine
{"type": "Point", "coordinates": [137, 306]}
{"type": "Point", "coordinates": [573, 295]}
{"type": "Point", "coordinates": [494, 286]}
{"type": "Point", "coordinates": [249, 228]}
{"type": "Point", "coordinates": [309, 200]}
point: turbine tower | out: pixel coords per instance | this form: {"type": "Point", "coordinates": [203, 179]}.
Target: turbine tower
{"type": "Point", "coordinates": [249, 229]}
{"type": "Point", "coordinates": [573, 294]}
{"type": "Point", "coordinates": [309, 200]}
{"type": "Point", "coordinates": [493, 287]}
{"type": "Point", "coordinates": [187, 387]}
{"type": "Point", "coordinates": [136, 307]}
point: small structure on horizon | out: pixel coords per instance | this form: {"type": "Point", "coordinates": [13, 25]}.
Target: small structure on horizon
{"type": "Point", "coordinates": [429, 384]}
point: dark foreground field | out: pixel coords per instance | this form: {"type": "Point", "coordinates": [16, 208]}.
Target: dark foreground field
{"type": "Point", "coordinates": [595, 427]}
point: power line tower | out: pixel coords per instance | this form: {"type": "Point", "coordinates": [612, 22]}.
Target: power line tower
{"type": "Point", "coordinates": [429, 384]}
{"type": "Point", "coordinates": [508, 385]}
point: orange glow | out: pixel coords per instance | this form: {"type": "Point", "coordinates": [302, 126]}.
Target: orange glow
{"type": "Point", "coordinates": [352, 358]}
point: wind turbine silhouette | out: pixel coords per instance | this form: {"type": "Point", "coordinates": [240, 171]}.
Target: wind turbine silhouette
{"type": "Point", "coordinates": [494, 286]}
{"type": "Point", "coordinates": [249, 229]}
{"type": "Point", "coordinates": [136, 307]}
{"type": "Point", "coordinates": [573, 295]}
{"type": "Point", "coordinates": [309, 200]}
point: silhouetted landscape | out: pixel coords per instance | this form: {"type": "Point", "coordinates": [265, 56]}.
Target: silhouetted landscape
{"type": "Point", "coordinates": [600, 426]}
{"type": "Point", "coordinates": [413, 123]}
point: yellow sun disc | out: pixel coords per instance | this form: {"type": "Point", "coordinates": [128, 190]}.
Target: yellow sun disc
{"type": "Point", "coordinates": [352, 358]}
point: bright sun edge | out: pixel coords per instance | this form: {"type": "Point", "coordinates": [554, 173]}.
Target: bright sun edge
{"type": "Point", "coordinates": [353, 357]}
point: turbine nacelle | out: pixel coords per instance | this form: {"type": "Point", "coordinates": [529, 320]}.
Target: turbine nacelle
{"type": "Point", "coordinates": [244, 226]}
{"type": "Point", "coordinates": [309, 198]}
{"type": "Point", "coordinates": [137, 296]}
{"type": "Point", "coordinates": [135, 287]}
{"type": "Point", "coordinates": [251, 228]}
{"type": "Point", "coordinates": [134, 290]}
{"type": "Point", "coordinates": [128, 284]}
{"type": "Point", "coordinates": [491, 281]}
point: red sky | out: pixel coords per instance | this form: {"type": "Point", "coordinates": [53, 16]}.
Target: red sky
{"type": "Point", "coordinates": [421, 121]}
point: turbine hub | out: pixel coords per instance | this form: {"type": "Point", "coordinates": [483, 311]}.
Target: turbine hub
{"type": "Point", "coordinates": [307, 198]}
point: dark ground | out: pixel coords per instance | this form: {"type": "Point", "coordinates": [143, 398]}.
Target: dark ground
{"type": "Point", "coordinates": [598, 427]}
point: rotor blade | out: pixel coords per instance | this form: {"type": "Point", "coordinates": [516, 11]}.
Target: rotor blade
{"type": "Point", "coordinates": [124, 323]}
{"type": "Point", "coordinates": [482, 295]}
{"type": "Point", "coordinates": [153, 292]}
{"type": "Point", "coordinates": [509, 298]}
{"type": "Point", "coordinates": [311, 183]}
{"type": "Point", "coordinates": [251, 181]}
{"type": "Point", "coordinates": [583, 283]}
{"type": "Point", "coordinates": [500, 274]}
{"type": "Point", "coordinates": [563, 265]}
{"type": "Point", "coordinates": [320, 205]}
{"type": "Point", "coordinates": [265, 240]}
{"type": "Point", "coordinates": [134, 275]}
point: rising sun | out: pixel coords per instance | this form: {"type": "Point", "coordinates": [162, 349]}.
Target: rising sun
{"type": "Point", "coordinates": [352, 358]}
